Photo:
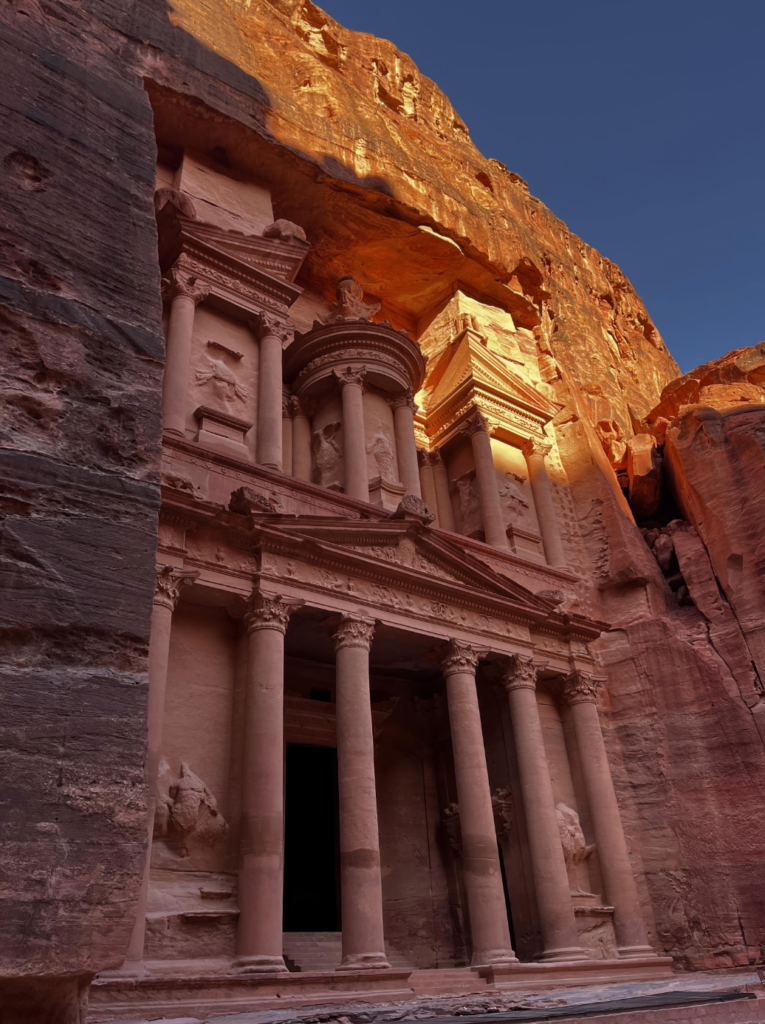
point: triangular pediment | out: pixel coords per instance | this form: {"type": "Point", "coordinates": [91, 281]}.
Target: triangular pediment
{"type": "Point", "coordinates": [470, 361]}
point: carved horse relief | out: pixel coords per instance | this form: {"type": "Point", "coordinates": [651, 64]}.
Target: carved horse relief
{"type": "Point", "coordinates": [222, 380]}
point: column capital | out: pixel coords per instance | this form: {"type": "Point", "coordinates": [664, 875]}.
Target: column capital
{"type": "Point", "coordinates": [438, 459]}
{"type": "Point", "coordinates": [180, 281]}
{"type": "Point", "coordinates": [354, 631]}
{"type": "Point", "coordinates": [458, 656]}
{"type": "Point", "coordinates": [425, 458]}
{"type": "Point", "coordinates": [266, 325]}
{"type": "Point", "coordinates": [170, 582]}
{"type": "Point", "coordinates": [349, 376]}
{"type": "Point", "coordinates": [580, 688]}
{"type": "Point", "coordinates": [533, 446]}
{"type": "Point", "coordinates": [302, 406]}
{"type": "Point", "coordinates": [404, 400]}
{"type": "Point", "coordinates": [520, 673]}
{"type": "Point", "coordinates": [269, 612]}
{"type": "Point", "coordinates": [474, 424]}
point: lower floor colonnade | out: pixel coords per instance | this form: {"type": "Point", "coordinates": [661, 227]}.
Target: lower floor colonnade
{"type": "Point", "coordinates": [478, 872]}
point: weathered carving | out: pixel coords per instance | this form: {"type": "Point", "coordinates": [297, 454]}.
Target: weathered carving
{"type": "Point", "coordinates": [189, 815]}
{"type": "Point", "coordinates": [326, 454]}
{"type": "Point", "coordinates": [223, 380]}
{"type": "Point", "coordinates": [270, 612]}
{"type": "Point", "coordinates": [579, 687]}
{"type": "Point", "coordinates": [452, 826]}
{"type": "Point", "coordinates": [170, 583]}
{"type": "Point", "coordinates": [520, 673]}
{"type": "Point", "coordinates": [504, 814]}
{"type": "Point", "coordinates": [284, 230]}
{"type": "Point", "coordinates": [458, 656]}
{"type": "Point", "coordinates": [406, 398]}
{"type": "Point", "coordinates": [467, 496]}
{"type": "Point", "coordinates": [474, 424]}
{"type": "Point", "coordinates": [575, 848]}
{"type": "Point", "coordinates": [354, 631]}
{"type": "Point", "coordinates": [533, 446]}
{"type": "Point", "coordinates": [411, 506]}
{"type": "Point", "coordinates": [512, 495]}
{"type": "Point", "coordinates": [266, 324]}
{"type": "Point", "coordinates": [246, 501]}
{"type": "Point", "coordinates": [350, 303]}
{"type": "Point", "coordinates": [174, 197]}
{"type": "Point", "coordinates": [181, 280]}
{"type": "Point", "coordinates": [351, 376]}
{"type": "Point", "coordinates": [381, 449]}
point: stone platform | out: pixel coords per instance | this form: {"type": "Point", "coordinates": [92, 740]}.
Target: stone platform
{"type": "Point", "coordinates": [201, 989]}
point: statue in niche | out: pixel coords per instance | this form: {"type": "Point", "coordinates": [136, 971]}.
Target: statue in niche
{"type": "Point", "coordinates": [575, 848]}
{"type": "Point", "coordinates": [467, 496]}
{"type": "Point", "coordinates": [381, 449]}
{"type": "Point", "coordinates": [326, 454]}
{"type": "Point", "coordinates": [350, 303]}
{"type": "Point", "coordinates": [222, 379]}
{"type": "Point", "coordinates": [189, 813]}
{"type": "Point", "coordinates": [512, 495]}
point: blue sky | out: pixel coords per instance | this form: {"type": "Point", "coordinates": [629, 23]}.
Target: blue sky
{"type": "Point", "coordinates": [641, 125]}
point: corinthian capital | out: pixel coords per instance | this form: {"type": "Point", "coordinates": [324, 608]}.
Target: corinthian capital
{"type": "Point", "coordinates": [579, 688]}
{"type": "Point", "coordinates": [404, 400]}
{"type": "Point", "coordinates": [459, 657]}
{"type": "Point", "coordinates": [532, 446]}
{"type": "Point", "coordinates": [181, 281]}
{"type": "Point", "coordinates": [426, 458]}
{"type": "Point", "coordinates": [354, 631]}
{"type": "Point", "coordinates": [349, 376]}
{"type": "Point", "coordinates": [269, 612]}
{"type": "Point", "coordinates": [520, 673]}
{"type": "Point", "coordinates": [170, 583]}
{"type": "Point", "coordinates": [474, 424]}
{"type": "Point", "coordinates": [267, 325]}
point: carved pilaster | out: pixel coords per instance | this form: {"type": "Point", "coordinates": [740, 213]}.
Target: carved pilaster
{"type": "Point", "coordinates": [269, 612]}
{"type": "Point", "coordinates": [354, 631]}
{"type": "Point", "coordinates": [520, 673]}
{"type": "Point", "coordinates": [170, 583]}
{"type": "Point", "coordinates": [350, 376]}
{"type": "Point", "coordinates": [580, 688]}
{"type": "Point", "coordinates": [459, 656]}
{"type": "Point", "coordinates": [180, 281]}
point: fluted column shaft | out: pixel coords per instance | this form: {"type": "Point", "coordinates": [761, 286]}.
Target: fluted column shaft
{"type": "Point", "coordinates": [170, 582]}
{"type": "Point", "coordinates": [481, 868]}
{"type": "Point", "coordinates": [272, 333]}
{"type": "Point", "coordinates": [560, 936]}
{"type": "Point", "coordinates": [580, 693]}
{"type": "Point", "coordinates": [185, 292]}
{"type": "Point", "coordinates": [261, 869]}
{"type": "Point", "coordinates": [443, 497]}
{"type": "Point", "coordinates": [354, 434]}
{"type": "Point", "coordinates": [406, 446]}
{"type": "Point", "coordinates": [486, 479]}
{"type": "Point", "coordinates": [301, 440]}
{"type": "Point", "coordinates": [535, 453]}
{"type": "Point", "coordinates": [428, 484]}
{"type": "Point", "coordinates": [360, 878]}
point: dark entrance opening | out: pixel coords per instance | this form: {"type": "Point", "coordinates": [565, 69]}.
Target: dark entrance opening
{"type": "Point", "coordinates": [311, 842]}
{"type": "Point", "coordinates": [508, 908]}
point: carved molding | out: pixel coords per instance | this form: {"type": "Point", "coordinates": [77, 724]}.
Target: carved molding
{"type": "Point", "coordinates": [580, 688]}
{"type": "Point", "coordinates": [267, 612]}
{"type": "Point", "coordinates": [459, 656]}
{"type": "Point", "coordinates": [354, 631]}
{"type": "Point", "coordinates": [520, 674]}
{"type": "Point", "coordinates": [170, 583]}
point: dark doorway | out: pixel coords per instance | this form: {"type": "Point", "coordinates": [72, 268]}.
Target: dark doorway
{"type": "Point", "coordinates": [311, 889]}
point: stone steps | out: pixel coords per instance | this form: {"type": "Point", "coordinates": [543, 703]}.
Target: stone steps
{"type": "Point", "coordinates": [323, 951]}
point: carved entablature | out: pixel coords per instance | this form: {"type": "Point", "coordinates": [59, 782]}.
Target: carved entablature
{"type": "Point", "coordinates": [243, 274]}
{"type": "Point", "coordinates": [392, 361]}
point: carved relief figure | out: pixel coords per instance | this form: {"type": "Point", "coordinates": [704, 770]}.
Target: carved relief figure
{"type": "Point", "coordinates": [326, 454]}
{"type": "Point", "coordinates": [381, 449]}
{"type": "Point", "coordinates": [575, 848]}
{"type": "Point", "coordinates": [223, 380]}
{"type": "Point", "coordinates": [350, 302]}
{"type": "Point", "coordinates": [512, 495]}
{"type": "Point", "coordinates": [190, 814]}
{"type": "Point", "coordinates": [467, 495]}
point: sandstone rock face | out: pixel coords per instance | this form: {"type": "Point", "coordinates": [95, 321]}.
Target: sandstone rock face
{"type": "Point", "coordinates": [341, 122]}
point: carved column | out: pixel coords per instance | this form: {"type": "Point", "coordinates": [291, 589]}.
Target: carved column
{"type": "Point", "coordinates": [272, 334]}
{"type": "Point", "coordinates": [261, 870]}
{"type": "Point", "coordinates": [486, 478]}
{"type": "Point", "coordinates": [287, 409]}
{"type": "Point", "coordinates": [360, 879]}
{"type": "Point", "coordinates": [354, 435]}
{"type": "Point", "coordinates": [427, 482]}
{"type": "Point", "coordinates": [185, 292]}
{"type": "Point", "coordinates": [301, 438]}
{"type": "Point", "coordinates": [406, 446]}
{"type": "Point", "coordinates": [443, 497]}
{"type": "Point", "coordinates": [481, 869]}
{"type": "Point", "coordinates": [560, 936]}
{"type": "Point", "coordinates": [170, 582]}
{"type": "Point", "coordinates": [580, 693]}
{"type": "Point", "coordinates": [535, 453]}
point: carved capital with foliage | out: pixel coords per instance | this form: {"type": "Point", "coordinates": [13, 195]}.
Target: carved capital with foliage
{"type": "Point", "coordinates": [520, 673]}
{"type": "Point", "coordinates": [180, 281]}
{"type": "Point", "coordinates": [458, 657]}
{"type": "Point", "coordinates": [351, 377]}
{"type": "Point", "coordinates": [354, 631]}
{"type": "Point", "coordinates": [580, 688]}
{"type": "Point", "coordinates": [269, 612]}
{"type": "Point", "coordinates": [474, 424]}
{"type": "Point", "coordinates": [266, 325]}
{"type": "Point", "coordinates": [532, 446]}
{"type": "Point", "coordinates": [170, 583]}
{"type": "Point", "coordinates": [404, 400]}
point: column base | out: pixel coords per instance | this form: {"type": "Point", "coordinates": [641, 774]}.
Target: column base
{"type": "Point", "coordinates": [259, 965]}
{"type": "Point", "coordinates": [494, 958]}
{"type": "Point", "coordinates": [633, 952]}
{"type": "Point", "coordinates": [562, 953]}
{"type": "Point", "coordinates": [364, 962]}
